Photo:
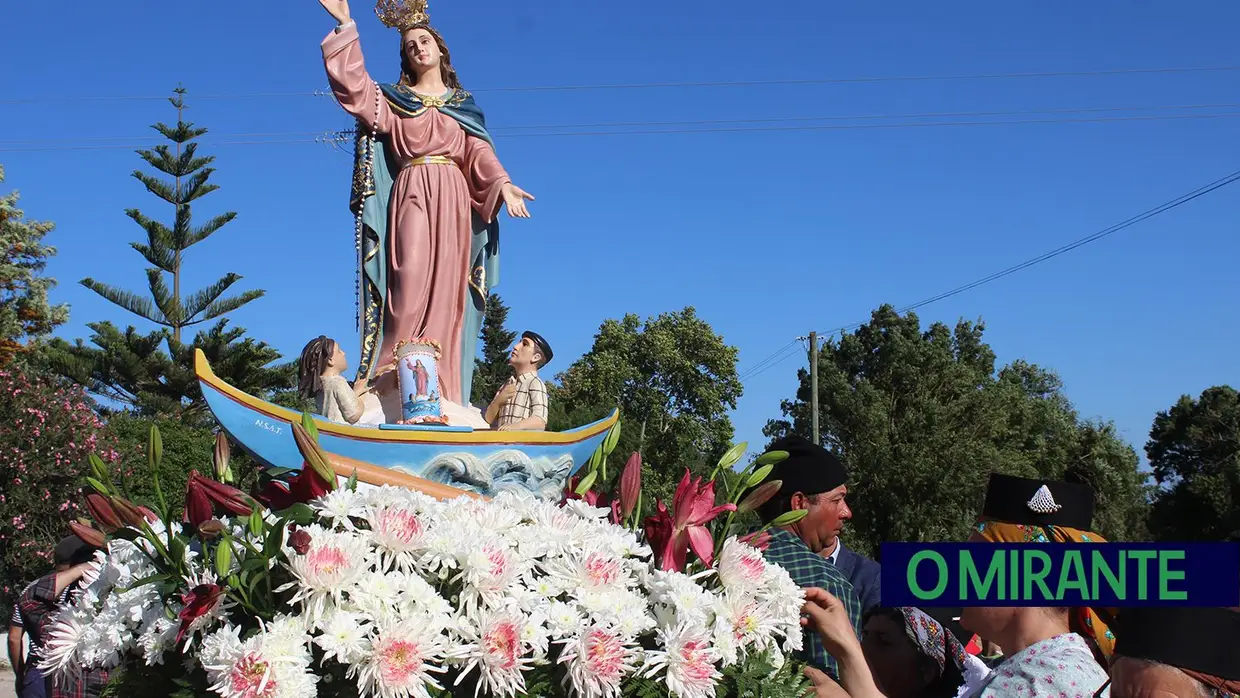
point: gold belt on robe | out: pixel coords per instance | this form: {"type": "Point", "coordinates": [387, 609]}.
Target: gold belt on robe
{"type": "Point", "coordinates": [429, 160]}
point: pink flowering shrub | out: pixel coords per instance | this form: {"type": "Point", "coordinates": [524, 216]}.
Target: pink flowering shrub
{"type": "Point", "coordinates": [47, 431]}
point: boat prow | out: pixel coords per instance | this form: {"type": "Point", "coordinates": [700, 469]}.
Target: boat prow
{"type": "Point", "coordinates": [480, 461]}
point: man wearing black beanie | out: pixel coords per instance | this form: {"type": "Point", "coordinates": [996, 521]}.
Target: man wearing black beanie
{"type": "Point", "coordinates": [814, 479]}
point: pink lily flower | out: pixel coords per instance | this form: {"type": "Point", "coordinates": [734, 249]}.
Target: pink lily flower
{"type": "Point", "coordinates": [684, 528]}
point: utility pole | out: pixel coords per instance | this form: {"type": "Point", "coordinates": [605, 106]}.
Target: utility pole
{"type": "Point", "coordinates": [813, 383]}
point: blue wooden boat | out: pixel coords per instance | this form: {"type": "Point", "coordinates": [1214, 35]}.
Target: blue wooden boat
{"type": "Point", "coordinates": [460, 458]}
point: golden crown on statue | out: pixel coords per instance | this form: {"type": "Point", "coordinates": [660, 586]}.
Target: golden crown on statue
{"type": "Point", "coordinates": [402, 14]}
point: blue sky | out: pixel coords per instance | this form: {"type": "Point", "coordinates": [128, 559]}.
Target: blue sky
{"type": "Point", "coordinates": [768, 233]}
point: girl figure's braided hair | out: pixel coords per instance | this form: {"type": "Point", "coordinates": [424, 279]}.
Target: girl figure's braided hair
{"type": "Point", "coordinates": [313, 362]}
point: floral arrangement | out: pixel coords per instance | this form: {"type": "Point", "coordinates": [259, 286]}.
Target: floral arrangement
{"type": "Point", "coordinates": [351, 590]}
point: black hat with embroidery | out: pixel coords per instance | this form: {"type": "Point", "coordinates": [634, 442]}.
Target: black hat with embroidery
{"type": "Point", "coordinates": [809, 469]}
{"type": "Point", "coordinates": [1022, 501]}
{"type": "Point", "coordinates": [72, 550]}
{"type": "Point", "coordinates": [543, 347]}
{"type": "Point", "coordinates": [1203, 641]}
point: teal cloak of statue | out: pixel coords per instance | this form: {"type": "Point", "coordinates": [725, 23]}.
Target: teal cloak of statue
{"type": "Point", "coordinates": [373, 175]}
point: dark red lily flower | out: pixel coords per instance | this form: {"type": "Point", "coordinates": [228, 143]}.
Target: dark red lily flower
{"type": "Point", "coordinates": [198, 602]}
{"type": "Point", "coordinates": [685, 527]}
{"type": "Point", "coordinates": [127, 511]}
{"type": "Point", "coordinates": [308, 485]}
{"type": "Point", "coordinates": [91, 536]}
{"type": "Point", "coordinates": [658, 533]}
{"type": "Point", "coordinates": [630, 484]}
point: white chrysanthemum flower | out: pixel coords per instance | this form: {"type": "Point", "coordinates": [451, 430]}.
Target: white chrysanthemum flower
{"type": "Point", "coordinates": [340, 507]}
{"type": "Point", "coordinates": [342, 637]}
{"type": "Point", "coordinates": [564, 620]}
{"type": "Point", "coordinates": [486, 571]}
{"type": "Point", "coordinates": [741, 567]}
{"type": "Point", "coordinates": [270, 664]}
{"type": "Point", "coordinates": [598, 660]}
{"type": "Point", "coordinates": [400, 661]}
{"type": "Point", "coordinates": [497, 649]}
{"type": "Point", "coordinates": [687, 661]}
{"type": "Point", "coordinates": [743, 625]}
{"type": "Point", "coordinates": [159, 637]}
{"type": "Point", "coordinates": [399, 534]}
{"type": "Point", "coordinates": [676, 591]}
{"type": "Point", "coordinates": [332, 564]}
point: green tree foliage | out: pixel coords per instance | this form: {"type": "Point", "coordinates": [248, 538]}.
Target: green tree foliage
{"type": "Point", "coordinates": [49, 430]}
{"type": "Point", "coordinates": [922, 418]}
{"type": "Point", "coordinates": [674, 381]}
{"type": "Point", "coordinates": [165, 246]}
{"type": "Point", "coordinates": [153, 373]}
{"type": "Point", "coordinates": [25, 313]}
{"type": "Point", "coordinates": [186, 447]}
{"type": "Point", "coordinates": [1194, 450]}
{"type": "Point", "coordinates": [491, 370]}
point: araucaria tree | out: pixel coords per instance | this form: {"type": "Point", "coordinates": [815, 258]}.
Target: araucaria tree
{"type": "Point", "coordinates": [165, 246]}
{"type": "Point", "coordinates": [25, 313]}
{"type": "Point", "coordinates": [492, 369]}
{"type": "Point", "coordinates": [153, 373]}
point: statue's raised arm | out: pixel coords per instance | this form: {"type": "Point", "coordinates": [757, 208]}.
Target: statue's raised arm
{"type": "Point", "coordinates": [427, 189]}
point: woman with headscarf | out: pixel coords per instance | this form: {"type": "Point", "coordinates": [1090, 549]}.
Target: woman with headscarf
{"type": "Point", "coordinates": [904, 653]}
{"type": "Point", "coordinates": [1049, 651]}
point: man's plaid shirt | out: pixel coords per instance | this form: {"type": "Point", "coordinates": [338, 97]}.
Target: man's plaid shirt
{"type": "Point", "coordinates": [808, 569]}
{"type": "Point", "coordinates": [38, 605]}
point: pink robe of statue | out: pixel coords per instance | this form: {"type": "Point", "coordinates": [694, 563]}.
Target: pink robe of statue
{"type": "Point", "coordinates": [429, 226]}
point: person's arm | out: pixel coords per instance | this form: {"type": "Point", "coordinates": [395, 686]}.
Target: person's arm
{"type": "Point", "coordinates": [16, 660]}
{"type": "Point", "coordinates": [350, 405]}
{"type": "Point", "coordinates": [353, 87]}
{"type": "Point", "coordinates": [828, 616]}
{"type": "Point", "coordinates": [501, 398]}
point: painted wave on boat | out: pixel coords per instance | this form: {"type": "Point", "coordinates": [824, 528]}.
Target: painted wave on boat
{"type": "Point", "coordinates": [509, 470]}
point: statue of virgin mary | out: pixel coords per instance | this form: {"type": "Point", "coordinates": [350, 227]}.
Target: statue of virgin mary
{"type": "Point", "coordinates": [427, 190]}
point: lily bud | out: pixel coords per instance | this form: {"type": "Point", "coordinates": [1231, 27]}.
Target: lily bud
{"type": "Point", "coordinates": [197, 504]}
{"type": "Point", "coordinates": [127, 511]}
{"type": "Point", "coordinates": [759, 496]}
{"type": "Point", "coordinates": [314, 456]}
{"type": "Point", "coordinates": [102, 512]}
{"type": "Point", "coordinates": [211, 529]}
{"type": "Point", "coordinates": [227, 497]}
{"type": "Point", "coordinates": [222, 472]}
{"type": "Point", "coordinates": [630, 484]}
{"type": "Point", "coordinates": [299, 541]}
{"type": "Point", "coordinates": [91, 536]}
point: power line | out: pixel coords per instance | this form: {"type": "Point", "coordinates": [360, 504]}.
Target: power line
{"type": "Point", "coordinates": [340, 136]}
{"type": "Point", "coordinates": [664, 85]}
{"type": "Point", "coordinates": [781, 355]}
{"type": "Point", "coordinates": [502, 130]}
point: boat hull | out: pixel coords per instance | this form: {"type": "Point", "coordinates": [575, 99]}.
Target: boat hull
{"type": "Point", "coordinates": [484, 462]}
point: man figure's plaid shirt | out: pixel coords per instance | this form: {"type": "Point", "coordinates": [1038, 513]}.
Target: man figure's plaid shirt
{"type": "Point", "coordinates": [530, 400]}
{"type": "Point", "coordinates": [808, 569]}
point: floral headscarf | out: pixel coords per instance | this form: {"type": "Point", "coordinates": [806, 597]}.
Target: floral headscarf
{"type": "Point", "coordinates": [935, 642]}
{"type": "Point", "coordinates": [1083, 621]}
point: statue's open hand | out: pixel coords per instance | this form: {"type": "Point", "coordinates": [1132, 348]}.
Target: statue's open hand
{"type": "Point", "coordinates": [514, 197]}
{"type": "Point", "coordinates": [338, 9]}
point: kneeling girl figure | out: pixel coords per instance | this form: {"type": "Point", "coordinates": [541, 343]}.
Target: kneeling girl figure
{"type": "Point", "coordinates": [319, 378]}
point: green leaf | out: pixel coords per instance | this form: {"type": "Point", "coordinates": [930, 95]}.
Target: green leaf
{"type": "Point", "coordinates": [788, 518]}
{"type": "Point", "coordinates": [144, 581]}
{"type": "Point", "coordinates": [176, 550]}
{"type": "Point", "coordinates": [299, 513]}
{"type": "Point", "coordinates": [612, 439]}
{"type": "Point", "coordinates": [757, 476]}
{"type": "Point", "coordinates": [307, 423]}
{"type": "Point", "coordinates": [733, 455]}
{"type": "Point", "coordinates": [223, 558]}
{"type": "Point", "coordinates": [595, 459]}
{"type": "Point", "coordinates": [274, 473]}
{"type": "Point", "coordinates": [275, 539]}
{"type": "Point", "coordinates": [97, 486]}
{"type": "Point", "coordinates": [352, 483]}
{"type": "Point", "coordinates": [771, 458]}
{"type": "Point", "coordinates": [586, 483]}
